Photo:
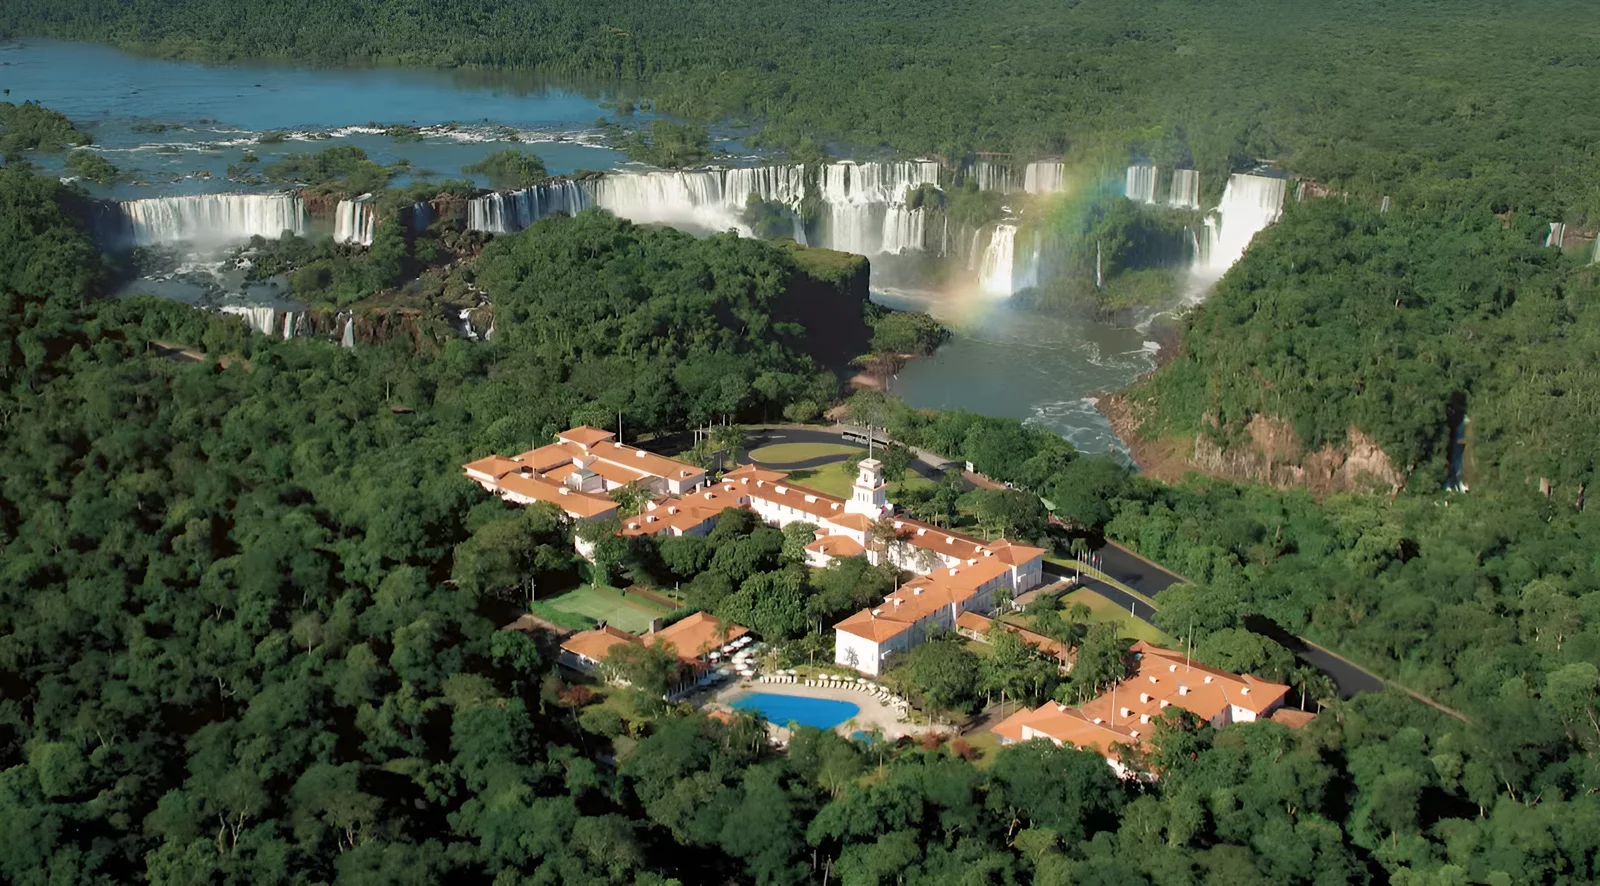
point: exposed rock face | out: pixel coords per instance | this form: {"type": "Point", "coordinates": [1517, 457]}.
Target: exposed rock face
{"type": "Point", "coordinates": [1274, 455]}
{"type": "Point", "coordinates": [1270, 453]}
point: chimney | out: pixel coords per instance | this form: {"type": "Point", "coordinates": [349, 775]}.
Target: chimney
{"type": "Point", "coordinates": [1144, 698]}
{"type": "Point", "coordinates": [637, 454]}
{"type": "Point", "coordinates": [1164, 703]}
{"type": "Point", "coordinates": [1172, 668]}
{"type": "Point", "coordinates": [1183, 689]}
{"type": "Point", "coordinates": [1144, 718]}
{"type": "Point", "coordinates": [1153, 679]}
{"type": "Point", "coordinates": [898, 601]}
{"type": "Point", "coordinates": [1126, 712]}
{"type": "Point", "coordinates": [1208, 678]}
{"type": "Point", "coordinates": [1060, 706]}
{"type": "Point", "coordinates": [1245, 691]}
{"type": "Point", "coordinates": [916, 592]}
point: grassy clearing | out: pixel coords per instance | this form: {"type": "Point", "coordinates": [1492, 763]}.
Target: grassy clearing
{"type": "Point", "coordinates": [785, 453]}
{"type": "Point", "coordinates": [834, 481]}
{"type": "Point", "coordinates": [1104, 610]}
{"type": "Point", "coordinates": [629, 612]}
{"type": "Point", "coordinates": [987, 744]}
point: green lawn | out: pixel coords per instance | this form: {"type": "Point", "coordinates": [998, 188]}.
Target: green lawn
{"type": "Point", "coordinates": [834, 481]}
{"type": "Point", "coordinates": [631, 613]}
{"type": "Point", "coordinates": [785, 453]}
{"type": "Point", "coordinates": [1103, 610]}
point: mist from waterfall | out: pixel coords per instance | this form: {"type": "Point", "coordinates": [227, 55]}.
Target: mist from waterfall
{"type": "Point", "coordinates": [204, 219]}
{"type": "Point", "coordinates": [1045, 177]}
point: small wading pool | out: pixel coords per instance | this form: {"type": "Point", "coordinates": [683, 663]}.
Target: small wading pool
{"type": "Point", "coordinates": [780, 710]}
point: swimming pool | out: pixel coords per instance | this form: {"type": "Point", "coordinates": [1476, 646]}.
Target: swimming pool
{"type": "Point", "coordinates": [823, 713]}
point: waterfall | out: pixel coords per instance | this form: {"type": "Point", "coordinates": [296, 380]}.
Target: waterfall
{"type": "Point", "coordinates": [421, 216]}
{"type": "Point", "coordinates": [1558, 233]}
{"type": "Point", "coordinates": [1596, 257]}
{"type": "Point", "coordinates": [262, 320]}
{"type": "Point", "coordinates": [1249, 204]}
{"type": "Point", "coordinates": [866, 206]}
{"type": "Point", "coordinates": [355, 221]}
{"type": "Point", "coordinates": [1099, 277]}
{"type": "Point", "coordinates": [775, 184]}
{"type": "Point", "coordinates": [212, 219]}
{"type": "Point", "coordinates": [693, 199]}
{"type": "Point", "coordinates": [347, 339]}
{"type": "Point", "coordinates": [1004, 271]}
{"type": "Point", "coordinates": [993, 177]}
{"type": "Point", "coordinates": [1185, 192]}
{"type": "Point", "coordinates": [1141, 184]}
{"type": "Point", "coordinates": [288, 325]}
{"type": "Point", "coordinates": [1045, 177]}
{"type": "Point", "coordinates": [509, 212]}
{"type": "Point", "coordinates": [1453, 480]}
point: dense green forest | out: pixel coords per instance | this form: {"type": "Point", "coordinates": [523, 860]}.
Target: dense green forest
{"type": "Point", "coordinates": [1471, 101]}
{"type": "Point", "coordinates": [1398, 324]}
{"type": "Point", "coordinates": [248, 611]}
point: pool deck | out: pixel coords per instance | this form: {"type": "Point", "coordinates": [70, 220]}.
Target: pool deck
{"type": "Point", "coordinates": [873, 712]}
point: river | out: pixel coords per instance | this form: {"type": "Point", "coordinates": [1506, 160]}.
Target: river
{"type": "Point", "coordinates": [175, 127]}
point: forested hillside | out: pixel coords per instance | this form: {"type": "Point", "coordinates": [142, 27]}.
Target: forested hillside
{"type": "Point", "coordinates": [247, 626]}
{"type": "Point", "coordinates": [1397, 325]}
{"type": "Point", "coordinates": [1470, 101]}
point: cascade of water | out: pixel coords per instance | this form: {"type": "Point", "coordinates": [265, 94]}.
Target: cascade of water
{"type": "Point", "coordinates": [1558, 233]}
{"type": "Point", "coordinates": [1141, 184]}
{"type": "Point", "coordinates": [1383, 206]}
{"type": "Point", "coordinates": [507, 213]}
{"type": "Point", "coordinates": [347, 338]}
{"type": "Point", "coordinates": [1185, 192]}
{"type": "Point", "coordinates": [1045, 177]}
{"type": "Point", "coordinates": [993, 177]}
{"type": "Point", "coordinates": [903, 230]}
{"type": "Point", "coordinates": [262, 320]}
{"type": "Point", "coordinates": [693, 199]}
{"type": "Point", "coordinates": [774, 184]}
{"type": "Point", "coordinates": [995, 275]}
{"type": "Point", "coordinates": [866, 205]}
{"type": "Point", "coordinates": [973, 255]}
{"type": "Point", "coordinates": [355, 221]}
{"type": "Point", "coordinates": [288, 325]}
{"type": "Point", "coordinates": [1596, 258]}
{"type": "Point", "coordinates": [1099, 279]}
{"type": "Point", "coordinates": [421, 216]}
{"type": "Point", "coordinates": [207, 219]}
{"type": "Point", "coordinates": [1249, 204]}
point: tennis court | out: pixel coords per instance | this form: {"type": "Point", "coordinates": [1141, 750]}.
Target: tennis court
{"type": "Point", "coordinates": [631, 613]}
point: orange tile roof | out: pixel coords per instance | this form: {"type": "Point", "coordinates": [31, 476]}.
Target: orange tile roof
{"type": "Point", "coordinates": [646, 462]}
{"type": "Point", "coordinates": [583, 504]}
{"type": "Point", "coordinates": [858, 522]}
{"type": "Point", "coordinates": [496, 466]}
{"type": "Point", "coordinates": [621, 475]}
{"type": "Point", "coordinates": [1292, 718]}
{"type": "Point", "coordinates": [696, 635]}
{"type": "Point", "coordinates": [1070, 726]}
{"type": "Point", "coordinates": [596, 644]}
{"type": "Point", "coordinates": [1162, 679]}
{"type": "Point", "coordinates": [919, 598]}
{"type": "Point", "coordinates": [583, 435]}
{"type": "Point", "coordinates": [837, 546]}
{"type": "Point", "coordinates": [976, 623]}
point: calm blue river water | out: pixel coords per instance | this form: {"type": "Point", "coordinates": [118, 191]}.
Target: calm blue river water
{"type": "Point", "coordinates": [215, 114]}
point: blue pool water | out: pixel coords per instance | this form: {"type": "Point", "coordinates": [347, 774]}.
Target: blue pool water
{"type": "Point", "coordinates": [822, 713]}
